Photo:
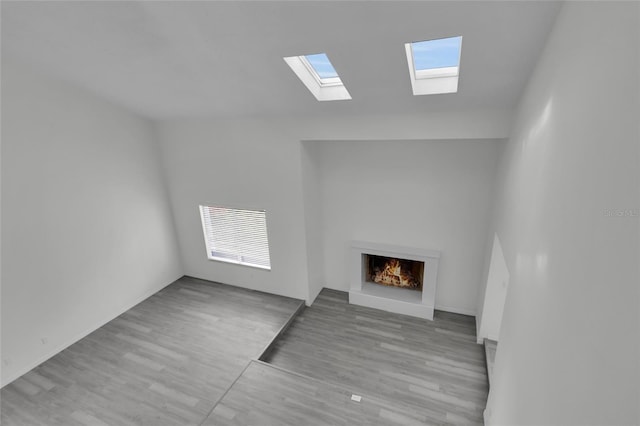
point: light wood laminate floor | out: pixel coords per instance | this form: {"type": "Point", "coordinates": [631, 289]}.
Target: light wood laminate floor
{"type": "Point", "coordinates": [164, 362]}
{"type": "Point", "coordinates": [265, 395]}
{"type": "Point", "coordinates": [434, 370]}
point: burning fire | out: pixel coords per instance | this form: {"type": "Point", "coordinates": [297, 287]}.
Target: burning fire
{"type": "Point", "coordinates": [393, 274]}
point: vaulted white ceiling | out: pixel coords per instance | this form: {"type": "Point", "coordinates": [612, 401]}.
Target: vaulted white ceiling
{"type": "Point", "coordinates": [178, 59]}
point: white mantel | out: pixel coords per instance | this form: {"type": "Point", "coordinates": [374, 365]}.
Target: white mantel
{"type": "Point", "coordinates": [394, 299]}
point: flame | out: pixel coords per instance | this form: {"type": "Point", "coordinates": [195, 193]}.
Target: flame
{"type": "Point", "coordinates": [393, 274]}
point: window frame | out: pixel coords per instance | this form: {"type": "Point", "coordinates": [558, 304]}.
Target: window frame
{"type": "Point", "coordinates": [324, 82]}
{"type": "Point", "coordinates": [323, 89]}
{"type": "Point", "coordinates": [433, 81]}
{"type": "Point", "coordinates": [210, 249]}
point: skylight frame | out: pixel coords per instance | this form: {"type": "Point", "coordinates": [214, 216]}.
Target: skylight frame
{"type": "Point", "coordinates": [432, 81]}
{"type": "Point", "coordinates": [324, 89]}
{"type": "Point", "coordinates": [325, 82]}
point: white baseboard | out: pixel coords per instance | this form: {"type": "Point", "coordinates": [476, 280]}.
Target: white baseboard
{"type": "Point", "coordinates": [25, 369]}
{"type": "Point", "coordinates": [439, 307]}
{"type": "Point", "coordinates": [344, 287]}
{"type": "Point", "coordinates": [453, 310]}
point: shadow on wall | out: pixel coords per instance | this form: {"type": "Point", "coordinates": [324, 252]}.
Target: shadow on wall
{"type": "Point", "coordinates": [495, 294]}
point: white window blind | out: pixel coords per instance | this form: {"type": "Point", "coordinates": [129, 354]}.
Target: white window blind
{"type": "Point", "coordinates": [236, 236]}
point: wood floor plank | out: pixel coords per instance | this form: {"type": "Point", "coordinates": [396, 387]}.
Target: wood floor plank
{"type": "Point", "coordinates": [164, 362]}
{"type": "Point", "coordinates": [268, 395]}
{"type": "Point", "coordinates": [433, 367]}
{"type": "Point", "coordinates": [168, 360]}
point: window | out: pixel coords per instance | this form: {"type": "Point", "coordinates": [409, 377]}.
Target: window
{"type": "Point", "coordinates": [236, 236]}
{"type": "Point", "coordinates": [434, 65]}
{"type": "Point", "coordinates": [319, 76]}
{"type": "Point", "coordinates": [320, 66]}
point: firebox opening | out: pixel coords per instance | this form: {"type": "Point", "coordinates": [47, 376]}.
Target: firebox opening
{"type": "Point", "coordinates": [394, 272]}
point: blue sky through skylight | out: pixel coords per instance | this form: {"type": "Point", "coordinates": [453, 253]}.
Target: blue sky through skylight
{"type": "Point", "coordinates": [322, 66]}
{"type": "Point", "coordinates": [441, 53]}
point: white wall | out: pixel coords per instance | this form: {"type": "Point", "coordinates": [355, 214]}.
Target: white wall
{"type": "Point", "coordinates": [423, 194]}
{"type": "Point", "coordinates": [314, 225]}
{"type": "Point", "coordinates": [252, 166]}
{"type": "Point", "coordinates": [568, 351]}
{"type": "Point", "coordinates": [86, 225]}
{"type": "Point", "coordinates": [489, 317]}
{"type": "Point", "coordinates": [258, 163]}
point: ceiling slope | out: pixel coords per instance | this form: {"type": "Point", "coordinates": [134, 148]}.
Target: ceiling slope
{"type": "Point", "coordinates": [225, 59]}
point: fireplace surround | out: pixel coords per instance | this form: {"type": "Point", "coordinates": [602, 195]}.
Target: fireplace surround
{"type": "Point", "coordinates": [398, 298]}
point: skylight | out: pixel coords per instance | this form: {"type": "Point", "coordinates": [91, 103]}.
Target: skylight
{"type": "Point", "coordinates": [434, 65]}
{"type": "Point", "coordinates": [441, 53]}
{"type": "Point", "coordinates": [321, 65]}
{"type": "Point", "coordinates": [318, 74]}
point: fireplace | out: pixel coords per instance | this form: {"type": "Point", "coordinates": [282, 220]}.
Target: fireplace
{"type": "Point", "coordinates": [393, 272]}
{"type": "Point", "coordinates": [393, 278]}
